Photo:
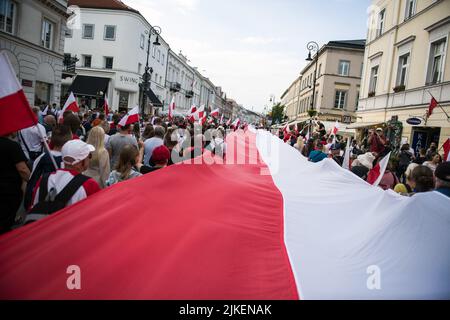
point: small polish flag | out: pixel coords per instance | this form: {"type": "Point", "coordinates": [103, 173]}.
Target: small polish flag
{"type": "Point", "coordinates": [446, 147]}
{"type": "Point", "coordinates": [376, 174]}
{"type": "Point", "coordinates": [106, 106]}
{"type": "Point", "coordinates": [15, 110]}
{"type": "Point", "coordinates": [191, 114]}
{"type": "Point", "coordinates": [199, 114]}
{"type": "Point", "coordinates": [171, 109]}
{"type": "Point", "coordinates": [215, 113]}
{"type": "Point", "coordinates": [236, 123]}
{"type": "Point", "coordinates": [228, 122]}
{"type": "Point", "coordinates": [433, 105]}
{"type": "Point", "coordinates": [346, 163]}
{"type": "Point", "coordinates": [336, 128]}
{"type": "Point", "coordinates": [130, 118]}
{"type": "Point", "coordinates": [287, 129]}
{"type": "Point", "coordinates": [70, 105]}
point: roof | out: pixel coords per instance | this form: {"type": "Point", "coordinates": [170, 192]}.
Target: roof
{"type": "Point", "coordinates": [345, 44]}
{"type": "Point", "coordinates": [102, 4]}
{"type": "Point", "coordinates": [356, 44]}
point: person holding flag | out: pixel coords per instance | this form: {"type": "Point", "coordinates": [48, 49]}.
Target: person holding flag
{"type": "Point", "coordinates": [15, 114]}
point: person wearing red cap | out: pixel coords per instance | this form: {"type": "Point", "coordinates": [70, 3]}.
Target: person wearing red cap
{"type": "Point", "coordinates": [160, 159]}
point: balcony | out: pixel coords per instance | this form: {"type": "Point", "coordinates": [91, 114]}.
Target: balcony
{"type": "Point", "coordinates": [175, 87]}
{"type": "Point", "coordinates": [69, 65]}
{"type": "Point", "coordinates": [189, 94]}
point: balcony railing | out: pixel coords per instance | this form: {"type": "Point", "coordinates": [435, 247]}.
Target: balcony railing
{"type": "Point", "coordinates": [175, 87]}
{"type": "Point", "coordinates": [69, 63]}
{"type": "Point", "coordinates": [189, 94]}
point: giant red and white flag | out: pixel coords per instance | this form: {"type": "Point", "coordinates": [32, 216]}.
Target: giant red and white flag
{"type": "Point", "coordinates": [280, 241]}
{"type": "Point", "coordinates": [376, 174]}
{"type": "Point", "coordinates": [70, 105]}
{"type": "Point", "coordinates": [171, 109]}
{"type": "Point", "coordinates": [215, 113]}
{"type": "Point", "coordinates": [15, 110]}
{"type": "Point", "coordinates": [130, 118]}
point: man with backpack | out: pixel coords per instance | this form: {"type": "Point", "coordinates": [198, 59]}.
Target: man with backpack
{"type": "Point", "coordinates": [43, 164]}
{"type": "Point", "coordinates": [65, 187]}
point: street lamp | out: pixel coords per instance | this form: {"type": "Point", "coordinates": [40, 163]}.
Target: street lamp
{"type": "Point", "coordinates": [146, 78]}
{"type": "Point", "coordinates": [313, 46]}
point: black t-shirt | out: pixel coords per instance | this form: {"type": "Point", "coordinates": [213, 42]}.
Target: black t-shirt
{"type": "Point", "coordinates": [12, 154]}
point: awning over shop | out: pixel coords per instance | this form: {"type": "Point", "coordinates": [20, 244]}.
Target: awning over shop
{"type": "Point", "coordinates": [154, 99]}
{"type": "Point", "coordinates": [359, 125]}
{"type": "Point", "coordinates": [89, 86]}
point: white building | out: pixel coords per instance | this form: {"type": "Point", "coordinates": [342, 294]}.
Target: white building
{"type": "Point", "coordinates": [111, 43]}
{"type": "Point", "coordinates": [181, 83]}
{"type": "Point", "coordinates": [32, 34]}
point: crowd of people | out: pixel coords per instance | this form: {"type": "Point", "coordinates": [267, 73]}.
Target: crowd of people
{"type": "Point", "coordinates": [88, 152]}
{"type": "Point", "coordinates": [68, 157]}
{"type": "Point", "coordinates": [408, 172]}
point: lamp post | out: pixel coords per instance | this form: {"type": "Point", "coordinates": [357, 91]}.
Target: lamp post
{"type": "Point", "coordinates": [313, 46]}
{"type": "Point", "coordinates": [146, 78]}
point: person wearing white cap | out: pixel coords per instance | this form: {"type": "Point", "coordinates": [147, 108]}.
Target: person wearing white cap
{"type": "Point", "coordinates": [66, 186]}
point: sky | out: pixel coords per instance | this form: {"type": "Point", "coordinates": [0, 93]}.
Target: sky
{"type": "Point", "coordinates": [253, 48]}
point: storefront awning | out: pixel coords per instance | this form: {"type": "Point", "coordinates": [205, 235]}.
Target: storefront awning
{"type": "Point", "coordinates": [89, 86]}
{"type": "Point", "coordinates": [359, 125]}
{"type": "Point", "coordinates": [154, 99]}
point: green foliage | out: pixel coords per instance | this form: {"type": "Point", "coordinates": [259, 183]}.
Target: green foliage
{"type": "Point", "coordinates": [277, 113]}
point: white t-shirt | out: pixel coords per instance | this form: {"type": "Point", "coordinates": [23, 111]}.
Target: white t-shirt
{"type": "Point", "coordinates": [31, 137]}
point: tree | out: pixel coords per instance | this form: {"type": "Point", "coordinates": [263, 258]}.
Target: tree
{"type": "Point", "coordinates": [277, 113]}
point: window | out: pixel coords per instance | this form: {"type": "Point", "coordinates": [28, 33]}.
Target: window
{"type": "Point", "coordinates": [154, 52]}
{"type": "Point", "coordinates": [139, 68]}
{"type": "Point", "coordinates": [357, 100]}
{"type": "Point", "coordinates": [142, 41]}
{"type": "Point", "coordinates": [381, 19]}
{"type": "Point", "coordinates": [7, 15]}
{"type": "Point", "coordinates": [109, 62]}
{"type": "Point", "coordinates": [163, 59]}
{"type": "Point", "coordinates": [47, 34]}
{"type": "Point", "coordinates": [158, 55]}
{"type": "Point", "coordinates": [373, 80]}
{"type": "Point", "coordinates": [410, 9]}
{"type": "Point", "coordinates": [436, 63]}
{"type": "Point", "coordinates": [403, 64]}
{"type": "Point", "coordinates": [87, 61]}
{"type": "Point", "coordinates": [341, 97]}
{"type": "Point", "coordinates": [88, 31]}
{"type": "Point", "coordinates": [68, 33]}
{"type": "Point", "coordinates": [110, 33]}
{"type": "Point", "coordinates": [344, 68]}
{"type": "Point", "coordinates": [320, 70]}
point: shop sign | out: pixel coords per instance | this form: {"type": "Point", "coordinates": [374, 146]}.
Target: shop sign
{"type": "Point", "coordinates": [414, 121]}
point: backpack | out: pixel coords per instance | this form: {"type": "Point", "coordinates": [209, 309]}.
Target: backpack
{"type": "Point", "coordinates": [49, 202]}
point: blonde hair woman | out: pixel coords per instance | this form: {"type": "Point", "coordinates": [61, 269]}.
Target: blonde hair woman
{"type": "Point", "coordinates": [99, 167]}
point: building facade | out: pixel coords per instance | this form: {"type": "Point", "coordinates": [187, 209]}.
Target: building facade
{"type": "Point", "coordinates": [32, 34]}
{"type": "Point", "coordinates": [290, 99]}
{"type": "Point", "coordinates": [339, 70]}
{"type": "Point", "coordinates": [406, 62]}
{"type": "Point", "coordinates": [180, 83]}
{"type": "Point", "coordinates": [111, 44]}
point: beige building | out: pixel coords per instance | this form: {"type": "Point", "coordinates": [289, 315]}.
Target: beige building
{"type": "Point", "coordinates": [406, 61]}
{"type": "Point", "coordinates": [339, 70]}
{"type": "Point", "coordinates": [32, 33]}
